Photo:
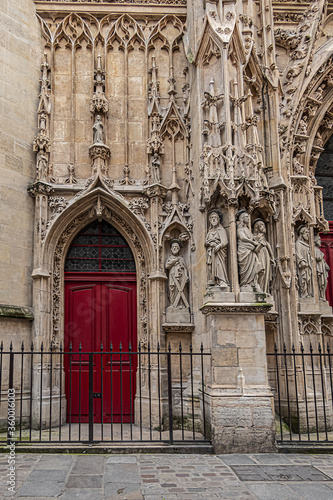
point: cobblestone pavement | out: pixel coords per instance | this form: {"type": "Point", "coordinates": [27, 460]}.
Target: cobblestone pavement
{"type": "Point", "coordinates": [168, 477]}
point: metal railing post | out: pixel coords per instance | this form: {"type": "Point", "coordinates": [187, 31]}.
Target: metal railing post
{"type": "Point", "coordinates": [10, 390]}
{"type": "Point", "coordinates": [91, 397]}
{"type": "Point", "coordinates": [170, 395]}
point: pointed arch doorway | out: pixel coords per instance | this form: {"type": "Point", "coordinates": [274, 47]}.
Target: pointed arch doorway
{"type": "Point", "coordinates": [100, 310]}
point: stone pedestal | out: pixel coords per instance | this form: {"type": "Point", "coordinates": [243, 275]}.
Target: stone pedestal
{"type": "Point", "coordinates": [177, 315]}
{"type": "Point", "coordinates": [218, 295]}
{"type": "Point", "coordinates": [99, 153]}
{"type": "Point", "coordinates": [240, 407]}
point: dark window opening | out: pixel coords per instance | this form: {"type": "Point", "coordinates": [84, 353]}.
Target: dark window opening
{"type": "Point", "coordinates": [99, 248]}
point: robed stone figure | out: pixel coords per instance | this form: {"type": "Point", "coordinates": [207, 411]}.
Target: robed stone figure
{"type": "Point", "coordinates": [98, 131]}
{"type": "Point", "coordinates": [178, 277]}
{"type": "Point", "coordinates": [322, 269]}
{"type": "Point", "coordinates": [216, 252]}
{"type": "Point", "coordinates": [247, 254]}
{"type": "Point", "coordinates": [303, 263]}
{"type": "Point", "coordinates": [265, 256]}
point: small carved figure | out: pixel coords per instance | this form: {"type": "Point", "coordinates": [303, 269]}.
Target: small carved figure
{"type": "Point", "coordinates": [41, 167]}
{"type": "Point", "coordinates": [247, 252]}
{"type": "Point", "coordinates": [303, 263]}
{"type": "Point", "coordinates": [319, 92]}
{"type": "Point", "coordinates": [303, 126]}
{"type": "Point", "coordinates": [98, 131]}
{"type": "Point", "coordinates": [155, 167]}
{"type": "Point", "coordinates": [298, 168]}
{"type": "Point", "coordinates": [318, 141]}
{"type": "Point", "coordinates": [322, 269]}
{"type": "Point", "coordinates": [265, 256]}
{"type": "Point", "coordinates": [178, 277]}
{"type": "Point", "coordinates": [71, 174]}
{"type": "Point", "coordinates": [42, 124]}
{"type": "Point", "coordinates": [216, 253]}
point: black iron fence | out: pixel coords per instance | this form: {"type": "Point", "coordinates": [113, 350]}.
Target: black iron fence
{"type": "Point", "coordinates": [74, 396]}
{"type": "Point", "coordinates": [302, 384]}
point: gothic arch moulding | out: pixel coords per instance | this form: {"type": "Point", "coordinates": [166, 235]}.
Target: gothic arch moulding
{"type": "Point", "coordinates": [96, 205]}
{"type": "Point", "coordinates": [312, 124]}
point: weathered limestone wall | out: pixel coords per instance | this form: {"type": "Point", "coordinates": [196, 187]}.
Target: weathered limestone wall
{"type": "Point", "coordinates": [19, 76]}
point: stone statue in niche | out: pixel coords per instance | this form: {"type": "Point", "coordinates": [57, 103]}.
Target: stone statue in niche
{"type": "Point", "coordinates": [155, 168]}
{"type": "Point", "coordinates": [265, 256]}
{"type": "Point", "coordinates": [303, 263]}
{"type": "Point", "coordinates": [298, 168]}
{"type": "Point", "coordinates": [322, 268]}
{"type": "Point", "coordinates": [98, 131]}
{"type": "Point", "coordinates": [178, 311]}
{"type": "Point", "coordinates": [319, 92]}
{"type": "Point", "coordinates": [303, 125]}
{"type": "Point", "coordinates": [42, 162]}
{"type": "Point", "coordinates": [216, 252]}
{"type": "Point", "coordinates": [247, 254]}
{"type": "Point", "coordinates": [42, 124]}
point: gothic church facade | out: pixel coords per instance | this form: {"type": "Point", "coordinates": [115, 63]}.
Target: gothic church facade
{"type": "Point", "coordinates": [178, 149]}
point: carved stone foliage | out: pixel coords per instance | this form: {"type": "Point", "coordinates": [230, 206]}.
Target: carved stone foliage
{"type": "Point", "coordinates": [103, 211]}
{"type": "Point", "coordinates": [40, 188]}
{"type": "Point", "coordinates": [139, 207]}
{"type": "Point", "coordinates": [57, 204]}
{"type": "Point", "coordinates": [237, 308]}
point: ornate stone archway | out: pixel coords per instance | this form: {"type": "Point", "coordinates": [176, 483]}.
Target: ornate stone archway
{"type": "Point", "coordinates": [96, 205]}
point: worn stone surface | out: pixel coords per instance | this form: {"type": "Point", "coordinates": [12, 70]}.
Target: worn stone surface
{"type": "Point", "coordinates": [20, 62]}
{"type": "Point", "coordinates": [182, 477]}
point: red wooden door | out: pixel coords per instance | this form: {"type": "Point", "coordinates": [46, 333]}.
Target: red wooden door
{"type": "Point", "coordinates": [100, 313]}
{"type": "Point", "coordinates": [100, 310]}
{"type": "Point", "coordinates": [327, 248]}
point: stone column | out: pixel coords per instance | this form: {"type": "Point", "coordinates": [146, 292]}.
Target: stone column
{"type": "Point", "coordinates": [239, 402]}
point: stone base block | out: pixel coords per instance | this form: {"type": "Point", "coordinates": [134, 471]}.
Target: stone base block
{"type": "Point", "coordinates": [325, 308]}
{"type": "Point", "coordinates": [253, 297]}
{"type": "Point", "coordinates": [43, 420]}
{"type": "Point", "coordinates": [241, 424]}
{"type": "Point", "coordinates": [218, 295]}
{"type": "Point", "coordinates": [310, 306]}
{"type": "Point", "coordinates": [176, 315]}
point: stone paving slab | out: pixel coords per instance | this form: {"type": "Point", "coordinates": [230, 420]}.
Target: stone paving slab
{"type": "Point", "coordinates": [170, 477]}
{"type": "Point", "coordinates": [279, 473]}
